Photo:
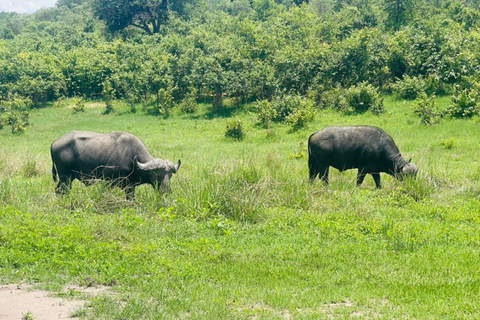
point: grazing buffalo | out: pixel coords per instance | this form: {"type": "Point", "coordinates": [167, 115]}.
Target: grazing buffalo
{"type": "Point", "coordinates": [370, 149]}
{"type": "Point", "coordinates": [117, 156]}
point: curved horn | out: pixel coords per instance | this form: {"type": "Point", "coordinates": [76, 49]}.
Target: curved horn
{"type": "Point", "coordinates": [141, 166]}
{"type": "Point", "coordinates": [177, 166]}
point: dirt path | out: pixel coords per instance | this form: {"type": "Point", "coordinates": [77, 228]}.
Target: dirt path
{"type": "Point", "coordinates": [18, 302]}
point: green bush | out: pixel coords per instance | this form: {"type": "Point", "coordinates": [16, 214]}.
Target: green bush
{"type": "Point", "coordinates": [234, 130]}
{"type": "Point", "coordinates": [293, 109]}
{"type": "Point", "coordinates": [164, 101]}
{"type": "Point", "coordinates": [435, 85]}
{"type": "Point", "coordinates": [335, 99]}
{"type": "Point", "coordinates": [108, 95]}
{"type": "Point", "coordinates": [30, 169]}
{"type": "Point", "coordinates": [449, 143]}
{"type": "Point", "coordinates": [19, 125]}
{"type": "Point", "coordinates": [284, 105]}
{"type": "Point", "coordinates": [301, 151]}
{"type": "Point", "coordinates": [464, 103]}
{"type": "Point", "coordinates": [264, 112]}
{"type": "Point", "coordinates": [364, 97]}
{"type": "Point", "coordinates": [409, 88]}
{"type": "Point", "coordinates": [426, 109]}
{"type": "Point", "coordinates": [78, 105]}
{"type": "Point", "coordinates": [189, 104]}
{"type": "Point", "coordinates": [108, 107]}
{"type": "Point", "coordinates": [303, 114]}
{"type": "Point", "coordinates": [15, 112]}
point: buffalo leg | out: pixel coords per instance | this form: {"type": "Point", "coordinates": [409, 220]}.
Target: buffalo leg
{"type": "Point", "coordinates": [130, 192]}
{"type": "Point", "coordinates": [360, 177]}
{"type": "Point", "coordinates": [376, 178]}
{"type": "Point", "coordinates": [324, 174]}
{"type": "Point", "coordinates": [64, 185]}
{"type": "Point", "coordinates": [313, 173]}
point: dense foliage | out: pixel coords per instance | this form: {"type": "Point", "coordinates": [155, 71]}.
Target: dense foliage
{"type": "Point", "coordinates": [244, 50]}
{"type": "Point", "coordinates": [143, 14]}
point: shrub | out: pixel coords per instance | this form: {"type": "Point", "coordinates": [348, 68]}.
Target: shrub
{"type": "Point", "coordinates": [189, 104]}
{"type": "Point", "coordinates": [293, 109]}
{"type": "Point", "coordinates": [426, 109]}
{"type": "Point", "coordinates": [284, 105]}
{"type": "Point", "coordinates": [27, 316]}
{"type": "Point", "coordinates": [108, 107]}
{"type": "Point", "coordinates": [449, 143]}
{"type": "Point", "coordinates": [409, 87]}
{"type": "Point", "coordinates": [234, 130]}
{"type": "Point", "coordinates": [335, 99]}
{"type": "Point", "coordinates": [303, 114]}
{"type": "Point", "coordinates": [164, 101]}
{"type": "Point", "coordinates": [301, 151]}
{"type": "Point", "coordinates": [108, 95]}
{"type": "Point", "coordinates": [435, 85]}
{"type": "Point", "coordinates": [364, 97]}
{"type": "Point", "coordinates": [315, 93]}
{"type": "Point", "coordinates": [15, 112]}
{"type": "Point", "coordinates": [464, 103]}
{"type": "Point", "coordinates": [131, 100]}
{"type": "Point", "coordinates": [30, 169]}
{"type": "Point", "coordinates": [3, 120]}
{"type": "Point", "coordinates": [264, 112]}
{"type": "Point", "coordinates": [19, 125]}
{"type": "Point", "coordinates": [78, 105]}
{"type": "Point", "coordinates": [60, 103]}
{"type": "Point", "coordinates": [378, 107]}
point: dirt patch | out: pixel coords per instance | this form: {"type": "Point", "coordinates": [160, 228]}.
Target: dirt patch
{"type": "Point", "coordinates": [89, 105]}
{"type": "Point", "coordinates": [22, 302]}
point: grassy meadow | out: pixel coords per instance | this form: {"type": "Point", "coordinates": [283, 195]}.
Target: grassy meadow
{"type": "Point", "coordinates": [243, 235]}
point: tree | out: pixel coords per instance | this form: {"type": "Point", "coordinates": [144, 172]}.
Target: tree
{"type": "Point", "coordinates": [147, 15]}
{"type": "Point", "coordinates": [398, 12]}
{"type": "Point", "coordinates": [69, 3]}
{"type": "Point", "coordinates": [14, 111]}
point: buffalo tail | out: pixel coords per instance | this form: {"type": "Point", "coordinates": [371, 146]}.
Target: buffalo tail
{"type": "Point", "coordinates": [54, 170]}
{"type": "Point", "coordinates": [311, 161]}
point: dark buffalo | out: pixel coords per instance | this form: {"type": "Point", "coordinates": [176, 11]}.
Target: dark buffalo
{"type": "Point", "coordinates": [370, 149]}
{"type": "Point", "coordinates": [117, 156]}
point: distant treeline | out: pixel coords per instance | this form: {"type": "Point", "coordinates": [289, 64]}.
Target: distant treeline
{"type": "Point", "coordinates": [240, 49]}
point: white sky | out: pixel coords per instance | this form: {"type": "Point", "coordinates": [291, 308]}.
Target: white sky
{"type": "Point", "coordinates": [25, 6]}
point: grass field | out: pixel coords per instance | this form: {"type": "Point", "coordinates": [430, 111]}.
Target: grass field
{"type": "Point", "coordinates": [243, 235]}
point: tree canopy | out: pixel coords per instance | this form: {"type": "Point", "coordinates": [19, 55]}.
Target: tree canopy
{"type": "Point", "coordinates": [235, 50]}
{"type": "Point", "coordinates": [147, 15]}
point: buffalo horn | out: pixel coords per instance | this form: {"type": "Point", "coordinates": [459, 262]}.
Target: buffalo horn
{"type": "Point", "coordinates": [141, 166]}
{"type": "Point", "coordinates": [150, 165]}
{"type": "Point", "coordinates": [177, 166]}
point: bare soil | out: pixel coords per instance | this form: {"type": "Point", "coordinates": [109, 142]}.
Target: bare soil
{"type": "Point", "coordinates": [19, 302]}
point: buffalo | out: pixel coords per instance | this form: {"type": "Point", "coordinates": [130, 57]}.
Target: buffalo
{"type": "Point", "coordinates": [119, 157]}
{"type": "Point", "coordinates": [369, 149]}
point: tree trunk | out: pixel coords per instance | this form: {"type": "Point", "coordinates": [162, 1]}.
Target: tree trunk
{"type": "Point", "coordinates": [218, 100]}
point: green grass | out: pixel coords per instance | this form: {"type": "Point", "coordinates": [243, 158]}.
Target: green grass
{"type": "Point", "coordinates": [243, 235]}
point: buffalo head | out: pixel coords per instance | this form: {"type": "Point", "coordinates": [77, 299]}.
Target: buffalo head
{"type": "Point", "coordinates": [408, 170]}
{"type": "Point", "coordinates": [158, 171]}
